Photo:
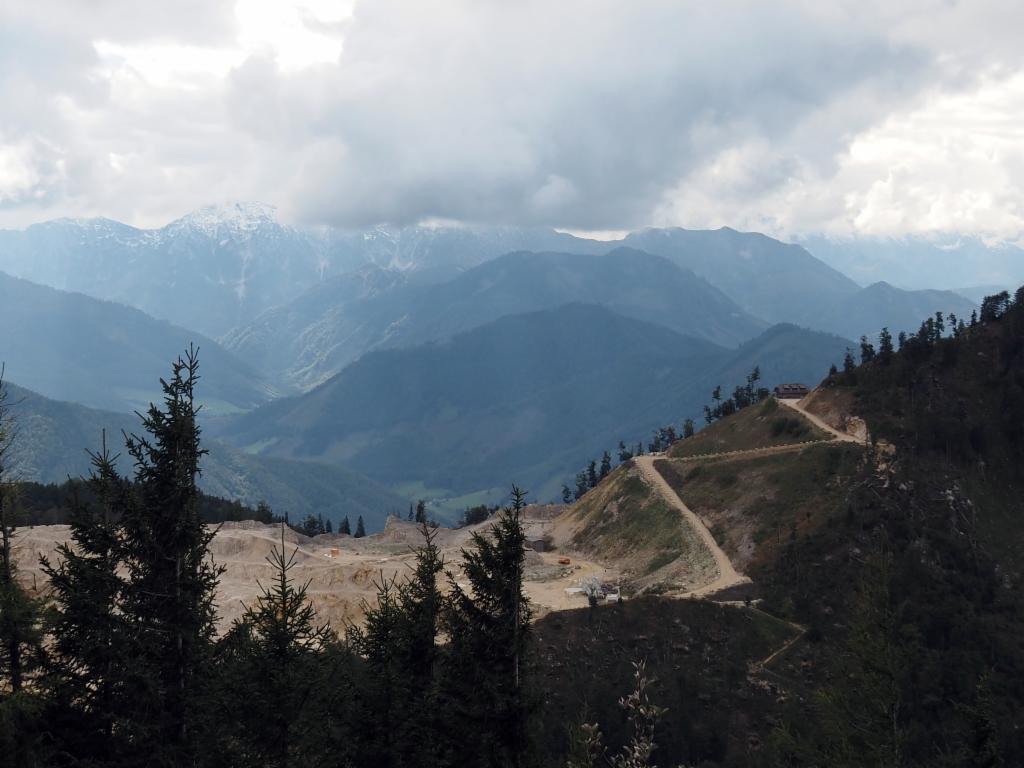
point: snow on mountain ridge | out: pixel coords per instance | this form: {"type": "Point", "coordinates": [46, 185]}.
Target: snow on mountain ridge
{"type": "Point", "coordinates": [237, 217]}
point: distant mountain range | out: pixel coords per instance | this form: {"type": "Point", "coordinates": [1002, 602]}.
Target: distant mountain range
{"type": "Point", "coordinates": [881, 305]}
{"type": "Point", "coordinates": [220, 266]}
{"type": "Point", "coordinates": [314, 336]}
{"type": "Point", "coordinates": [53, 437]}
{"type": "Point", "coordinates": [951, 262]}
{"type": "Point", "coordinates": [777, 282]}
{"type": "Point", "coordinates": [443, 361]}
{"type": "Point", "coordinates": [72, 347]}
{"type": "Point", "coordinates": [526, 398]}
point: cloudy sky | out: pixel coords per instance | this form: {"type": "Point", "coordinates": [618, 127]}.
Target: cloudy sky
{"type": "Point", "coordinates": [839, 117]}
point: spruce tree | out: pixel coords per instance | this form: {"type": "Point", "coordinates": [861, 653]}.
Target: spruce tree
{"type": "Point", "coordinates": [86, 678]}
{"type": "Point", "coordinates": [566, 495]}
{"type": "Point", "coordinates": [849, 364]}
{"type": "Point", "coordinates": [169, 596]}
{"type": "Point", "coordinates": [592, 474]}
{"type": "Point", "coordinates": [624, 453]}
{"type": "Point", "coordinates": [378, 643]}
{"type": "Point", "coordinates": [688, 428]}
{"type": "Point", "coordinates": [885, 346]}
{"type": "Point", "coordinates": [272, 659]}
{"type": "Point", "coordinates": [20, 635]}
{"type": "Point", "coordinates": [421, 511]}
{"type": "Point", "coordinates": [360, 528]}
{"type": "Point", "coordinates": [606, 465]}
{"type": "Point", "coordinates": [581, 485]}
{"type": "Point", "coordinates": [488, 629]}
{"type": "Point", "coordinates": [345, 527]}
{"type": "Point", "coordinates": [867, 350]}
{"type": "Point", "coordinates": [399, 643]}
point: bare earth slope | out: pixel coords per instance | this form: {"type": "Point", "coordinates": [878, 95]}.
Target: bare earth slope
{"type": "Point", "coordinates": [337, 584]}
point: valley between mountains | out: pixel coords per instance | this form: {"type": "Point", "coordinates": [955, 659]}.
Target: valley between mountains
{"type": "Point", "coordinates": [410, 363]}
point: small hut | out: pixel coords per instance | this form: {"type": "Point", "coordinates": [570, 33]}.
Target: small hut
{"type": "Point", "coordinates": [791, 391]}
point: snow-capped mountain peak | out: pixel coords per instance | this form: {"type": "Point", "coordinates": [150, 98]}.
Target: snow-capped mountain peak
{"type": "Point", "coordinates": [236, 217]}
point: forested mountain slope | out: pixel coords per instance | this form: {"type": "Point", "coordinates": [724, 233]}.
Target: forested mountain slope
{"type": "Point", "coordinates": [53, 439]}
{"type": "Point", "coordinates": [911, 589]}
{"type": "Point", "coordinates": [316, 335]}
{"type": "Point", "coordinates": [69, 346]}
{"type": "Point", "coordinates": [775, 281]}
{"type": "Point", "coordinates": [526, 398]}
{"type": "Point", "coordinates": [881, 305]}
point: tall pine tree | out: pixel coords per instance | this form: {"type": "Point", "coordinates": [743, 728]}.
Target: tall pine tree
{"type": "Point", "coordinates": [272, 667]}
{"type": "Point", "coordinates": [488, 629]}
{"type": "Point", "coordinates": [20, 636]}
{"type": "Point", "coordinates": [169, 598]}
{"type": "Point", "coordinates": [86, 679]}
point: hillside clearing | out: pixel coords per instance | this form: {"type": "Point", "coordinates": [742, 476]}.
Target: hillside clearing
{"type": "Point", "coordinates": [760, 426]}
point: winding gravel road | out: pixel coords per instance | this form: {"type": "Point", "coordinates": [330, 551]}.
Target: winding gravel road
{"type": "Point", "coordinates": [727, 575]}
{"type": "Point", "coordinates": [797, 405]}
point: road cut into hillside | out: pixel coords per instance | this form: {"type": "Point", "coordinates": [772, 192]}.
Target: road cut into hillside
{"type": "Point", "coordinates": [800, 407]}
{"type": "Point", "coordinates": [727, 575]}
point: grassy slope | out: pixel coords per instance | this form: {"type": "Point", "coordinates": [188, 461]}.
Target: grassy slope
{"type": "Point", "coordinates": [759, 426]}
{"type": "Point", "coordinates": [623, 520]}
{"type": "Point", "coordinates": [753, 505]}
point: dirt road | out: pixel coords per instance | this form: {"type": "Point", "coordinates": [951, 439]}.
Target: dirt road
{"type": "Point", "coordinates": [797, 405]}
{"type": "Point", "coordinates": [727, 575]}
{"type": "Point", "coordinates": [746, 452]}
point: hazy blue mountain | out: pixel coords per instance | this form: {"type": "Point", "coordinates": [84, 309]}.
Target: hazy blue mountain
{"type": "Point", "coordinates": [526, 398]}
{"type": "Point", "coordinates": [948, 262]}
{"type": "Point", "coordinates": [72, 347]}
{"type": "Point", "coordinates": [630, 282]}
{"type": "Point", "coordinates": [785, 353]}
{"type": "Point", "coordinates": [315, 336]}
{"type": "Point", "coordinates": [976, 293]}
{"type": "Point", "coordinates": [210, 270]}
{"type": "Point", "coordinates": [435, 254]}
{"type": "Point", "coordinates": [221, 266]}
{"type": "Point", "coordinates": [881, 305]}
{"type": "Point", "coordinates": [775, 281]}
{"type": "Point", "coordinates": [53, 438]}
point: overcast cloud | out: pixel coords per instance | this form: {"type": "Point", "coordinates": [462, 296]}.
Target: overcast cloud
{"type": "Point", "coordinates": [844, 118]}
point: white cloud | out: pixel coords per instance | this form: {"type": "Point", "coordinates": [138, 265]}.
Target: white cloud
{"type": "Point", "coordinates": [794, 117]}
